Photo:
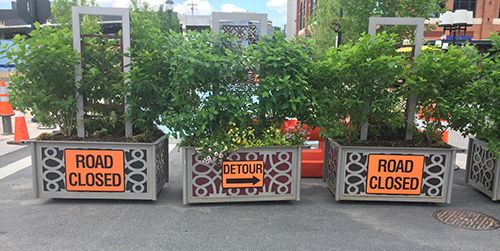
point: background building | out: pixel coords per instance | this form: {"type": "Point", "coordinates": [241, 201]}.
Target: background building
{"type": "Point", "coordinates": [248, 27]}
{"type": "Point", "coordinates": [303, 10]}
{"type": "Point", "coordinates": [486, 17]}
{"type": "Point", "coordinates": [22, 15]}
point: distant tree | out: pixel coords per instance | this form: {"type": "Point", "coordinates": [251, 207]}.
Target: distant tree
{"type": "Point", "coordinates": [61, 9]}
{"type": "Point", "coordinates": [157, 18]}
{"type": "Point", "coordinates": [352, 16]}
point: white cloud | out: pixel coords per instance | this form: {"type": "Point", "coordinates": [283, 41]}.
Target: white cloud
{"type": "Point", "coordinates": [201, 7]}
{"type": "Point", "coordinates": [279, 5]}
{"type": "Point", "coordinates": [227, 7]}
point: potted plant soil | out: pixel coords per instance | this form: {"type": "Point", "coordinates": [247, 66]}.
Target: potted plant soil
{"type": "Point", "coordinates": [95, 154]}
{"type": "Point", "coordinates": [362, 109]}
{"type": "Point", "coordinates": [227, 104]}
{"type": "Point", "coordinates": [482, 121]}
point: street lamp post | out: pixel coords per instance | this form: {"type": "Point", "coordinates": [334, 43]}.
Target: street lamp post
{"type": "Point", "coordinates": [169, 6]}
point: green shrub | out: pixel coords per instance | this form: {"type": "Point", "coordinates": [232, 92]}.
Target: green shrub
{"type": "Point", "coordinates": [442, 81]}
{"type": "Point", "coordinates": [356, 83]}
{"type": "Point", "coordinates": [481, 116]}
{"type": "Point", "coordinates": [199, 87]}
{"type": "Point", "coordinates": [45, 76]}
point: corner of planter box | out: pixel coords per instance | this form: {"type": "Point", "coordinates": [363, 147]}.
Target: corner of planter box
{"type": "Point", "coordinates": [483, 169]}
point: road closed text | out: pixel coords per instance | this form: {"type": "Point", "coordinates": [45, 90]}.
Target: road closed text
{"type": "Point", "coordinates": [394, 174]}
{"type": "Point", "coordinates": [94, 170]}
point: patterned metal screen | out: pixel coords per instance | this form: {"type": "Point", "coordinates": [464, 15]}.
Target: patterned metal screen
{"type": "Point", "coordinates": [246, 34]}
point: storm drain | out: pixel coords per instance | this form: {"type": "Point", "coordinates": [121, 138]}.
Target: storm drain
{"type": "Point", "coordinates": [466, 219]}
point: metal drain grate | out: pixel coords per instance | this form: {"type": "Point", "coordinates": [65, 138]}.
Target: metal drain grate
{"type": "Point", "coordinates": [466, 219]}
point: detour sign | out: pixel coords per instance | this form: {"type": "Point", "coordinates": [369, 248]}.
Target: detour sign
{"type": "Point", "coordinates": [394, 174]}
{"type": "Point", "coordinates": [94, 170]}
{"type": "Point", "coordinates": [242, 174]}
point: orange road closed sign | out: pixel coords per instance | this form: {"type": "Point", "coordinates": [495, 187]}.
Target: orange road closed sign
{"type": "Point", "coordinates": [94, 170]}
{"type": "Point", "coordinates": [395, 174]}
{"type": "Point", "coordinates": [242, 174]}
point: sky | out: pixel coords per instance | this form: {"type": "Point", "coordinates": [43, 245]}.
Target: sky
{"type": "Point", "coordinates": [276, 9]}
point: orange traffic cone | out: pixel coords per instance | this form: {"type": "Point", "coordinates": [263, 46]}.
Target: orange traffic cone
{"type": "Point", "coordinates": [5, 106]}
{"type": "Point", "coordinates": [20, 130]}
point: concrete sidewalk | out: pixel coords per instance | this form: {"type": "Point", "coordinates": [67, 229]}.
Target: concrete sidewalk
{"type": "Point", "coordinates": [33, 130]}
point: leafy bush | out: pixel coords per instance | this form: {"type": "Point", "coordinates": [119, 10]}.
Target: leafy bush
{"type": "Point", "coordinates": [284, 69]}
{"type": "Point", "coordinates": [203, 87]}
{"type": "Point", "coordinates": [45, 71]}
{"type": "Point", "coordinates": [45, 76]}
{"type": "Point", "coordinates": [356, 83]}
{"type": "Point", "coordinates": [442, 81]}
{"type": "Point", "coordinates": [481, 116]}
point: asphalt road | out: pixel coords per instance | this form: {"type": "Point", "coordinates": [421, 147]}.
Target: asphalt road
{"type": "Point", "coordinates": [317, 222]}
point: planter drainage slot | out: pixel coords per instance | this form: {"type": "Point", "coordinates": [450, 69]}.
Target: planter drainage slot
{"type": "Point", "coordinates": [466, 219]}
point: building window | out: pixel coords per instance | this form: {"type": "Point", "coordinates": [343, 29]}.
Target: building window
{"type": "Point", "coordinates": [469, 5]}
{"type": "Point", "coordinates": [302, 13]}
{"type": "Point", "coordinates": [312, 6]}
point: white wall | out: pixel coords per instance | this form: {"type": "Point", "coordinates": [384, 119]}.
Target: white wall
{"type": "Point", "coordinates": [291, 14]}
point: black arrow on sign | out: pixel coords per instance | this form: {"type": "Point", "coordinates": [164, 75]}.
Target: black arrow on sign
{"type": "Point", "coordinates": [253, 180]}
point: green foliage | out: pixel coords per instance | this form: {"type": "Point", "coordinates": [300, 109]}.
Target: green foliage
{"type": "Point", "coordinates": [284, 70]}
{"type": "Point", "coordinates": [356, 83]}
{"type": "Point", "coordinates": [217, 146]}
{"type": "Point", "coordinates": [442, 81]}
{"type": "Point", "coordinates": [143, 15]}
{"type": "Point", "coordinates": [45, 70]}
{"type": "Point", "coordinates": [44, 80]}
{"type": "Point", "coordinates": [102, 86]}
{"type": "Point", "coordinates": [199, 87]}
{"type": "Point", "coordinates": [482, 114]}
{"type": "Point", "coordinates": [355, 15]}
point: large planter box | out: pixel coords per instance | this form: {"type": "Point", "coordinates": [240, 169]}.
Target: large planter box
{"type": "Point", "coordinates": [389, 173]}
{"type": "Point", "coordinates": [99, 170]}
{"type": "Point", "coordinates": [271, 174]}
{"type": "Point", "coordinates": [483, 169]}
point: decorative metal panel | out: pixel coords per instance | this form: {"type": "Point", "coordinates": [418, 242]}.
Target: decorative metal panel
{"type": "Point", "coordinates": [279, 165]}
{"type": "Point", "coordinates": [483, 167]}
{"type": "Point", "coordinates": [161, 165]}
{"type": "Point", "coordinates": [136, 171]}
{"type": "Point", "coordinates": [53, 169]}
{"type": "Point", "coordinates": [242, 32]}
{"type": "Point", "coordinates": [332, 154]}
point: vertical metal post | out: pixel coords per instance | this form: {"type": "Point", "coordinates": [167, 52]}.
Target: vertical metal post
{"type": "Point", "coordinates": [411, 102]}
{"type": "Point", "coordinates": [126, 63]}
{"type": "Point", "coordinates": [7, 125]}
{"type": "Point", "coordinates": [80, 127]}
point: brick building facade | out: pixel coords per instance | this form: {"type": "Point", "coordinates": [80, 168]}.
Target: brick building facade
{"type": "Point", "coordinates": [486, 17]}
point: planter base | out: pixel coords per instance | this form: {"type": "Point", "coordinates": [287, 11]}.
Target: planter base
{"type": "Point", "coordinates": [279, 179]}
{"type": "Point", "coordinates": [389, 173]}
{"type": "Point", "coordinates": [99, 170]}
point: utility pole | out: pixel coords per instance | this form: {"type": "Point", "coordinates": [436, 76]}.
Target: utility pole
{"type": "Point", "coordinates": [193, 7]}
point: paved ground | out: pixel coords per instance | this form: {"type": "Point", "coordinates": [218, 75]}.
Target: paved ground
{"type": "Point", "coordinates": [317, 222]}
{"type": "Point", "coordinates": [33, 130]}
